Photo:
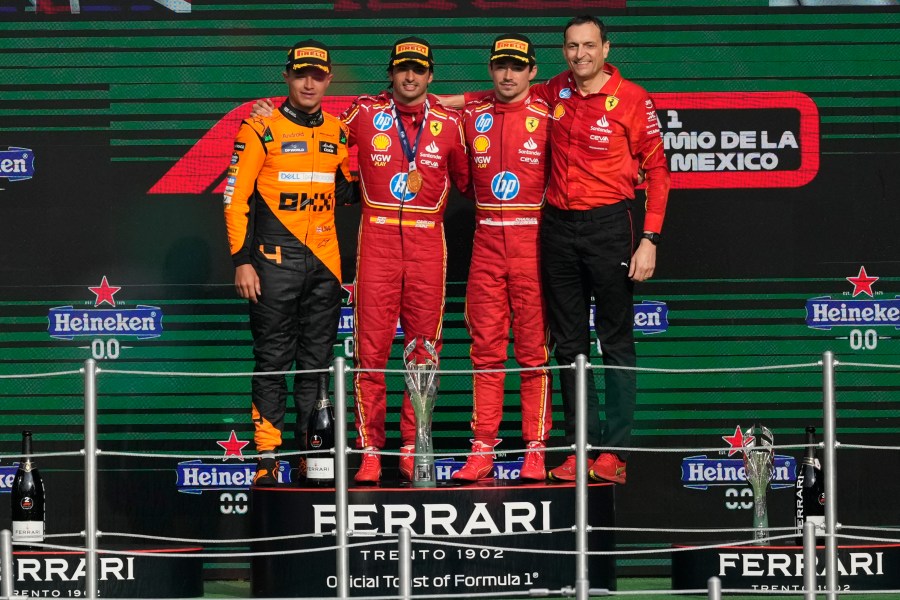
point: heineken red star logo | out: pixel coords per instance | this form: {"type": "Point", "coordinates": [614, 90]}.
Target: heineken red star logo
{"type": "Point", "coordinates": [736, 441]}
{"type": "Point", "coordinates": [104, 293]}
{"type": "Point", "coordinates": [233, 447]}
{"type": "Point", "coordinates": [862, 283]}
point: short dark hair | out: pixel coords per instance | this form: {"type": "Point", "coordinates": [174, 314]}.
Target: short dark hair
{"type": "Point", "coordinates": [581, 20]}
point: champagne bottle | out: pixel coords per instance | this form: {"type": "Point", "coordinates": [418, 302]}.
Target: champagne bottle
{"type": "Point", "coordinates": [27, 494]}
{"type": "Point", "coordinates": [320, 436]}
{"type": "Point", "coordinates": [810, 490]}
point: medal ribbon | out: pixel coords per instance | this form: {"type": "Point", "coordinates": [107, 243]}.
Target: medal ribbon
{"type": "Point", "coordinates": [404, 138]}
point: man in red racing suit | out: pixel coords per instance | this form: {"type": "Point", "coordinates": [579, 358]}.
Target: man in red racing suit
{"type": "Point", "coordinates": [409, 149]}
{"type": "Point", "coordinates": [507, 135]}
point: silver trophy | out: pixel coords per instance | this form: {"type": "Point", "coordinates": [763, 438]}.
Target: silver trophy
{"type": "Point", "coordinates": [759, 465]}
{"type": "Point", "coordinates": [420, 380]}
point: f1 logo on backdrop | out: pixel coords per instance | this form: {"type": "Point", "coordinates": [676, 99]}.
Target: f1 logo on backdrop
{"type": "Point", "coordinates": [712, 140]}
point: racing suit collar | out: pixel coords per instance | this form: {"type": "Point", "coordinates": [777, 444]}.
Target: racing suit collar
{"type": "Point", "coordinates": [502, 107]}
{"type": "Point", "coordinates": [301, 118]}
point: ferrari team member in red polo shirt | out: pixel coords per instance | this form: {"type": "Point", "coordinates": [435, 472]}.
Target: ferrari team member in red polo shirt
{"type": "Point", "coordinates": [605, 131]}
{"type": "Point", "coordinates": [508, 136]}
{"type": "Point", "coordinates": [410, 147]}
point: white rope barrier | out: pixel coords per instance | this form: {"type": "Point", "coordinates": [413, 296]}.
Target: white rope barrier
{"type": "Point", "coordinates": [356, 539]}
{"type": "Point", "coordinates": [37, 375]}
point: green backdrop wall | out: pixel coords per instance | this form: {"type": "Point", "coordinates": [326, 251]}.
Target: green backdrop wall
{"type": "Point", "coordinates": [113, 121]}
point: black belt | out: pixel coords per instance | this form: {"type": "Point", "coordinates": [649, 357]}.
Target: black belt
{"type": "Point", "coordinates": [590, 214]}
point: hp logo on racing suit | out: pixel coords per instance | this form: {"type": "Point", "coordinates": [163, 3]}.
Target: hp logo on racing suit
{"type": "Point", "coordinates": [483, 123]}
{"type": "Point", "coordinates": [399, 190]}
{"type": "Point", "coordinates": [505, 185]}
{"type": "Point", "coordinates": [382, 121]}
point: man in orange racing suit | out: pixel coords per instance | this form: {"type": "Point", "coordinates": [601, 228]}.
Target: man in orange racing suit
{"type": "Point", "coordinates": [508, 136]}
{"type": "Point", "coordinates": [409, 149]}
{"type": "Point", "coordinates": [286, 174]}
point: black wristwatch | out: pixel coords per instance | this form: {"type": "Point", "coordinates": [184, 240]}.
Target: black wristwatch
{"type": "Point", "coordinates": [653, 237]}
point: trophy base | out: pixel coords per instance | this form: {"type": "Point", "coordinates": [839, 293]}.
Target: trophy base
{"type": "Point", "coordinates": [472, 515]}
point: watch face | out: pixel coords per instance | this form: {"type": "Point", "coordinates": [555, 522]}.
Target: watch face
{"type": "Point", "coordinates": [653, 237]}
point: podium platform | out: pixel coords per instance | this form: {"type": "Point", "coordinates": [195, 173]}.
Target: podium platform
{"type": "Point", "coordinates": [59, 574]}
{"type": "Point", "coordinates": [780, 568]}
{"type": "Point", "coordinates": [465, 553]}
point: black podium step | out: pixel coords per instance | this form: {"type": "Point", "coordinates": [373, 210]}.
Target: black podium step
{"type": "Point", "coordinates": [477, 537]}
{"type": "Point", "coordinates": [60, 574]}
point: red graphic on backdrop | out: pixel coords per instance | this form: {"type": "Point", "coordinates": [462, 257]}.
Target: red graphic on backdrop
{"type": "Point", "coordinates": [566, 6]}
{"type": "Point", "coordinates": [862, 283]}
{"type": "Point", "coordinates": [733, 153]}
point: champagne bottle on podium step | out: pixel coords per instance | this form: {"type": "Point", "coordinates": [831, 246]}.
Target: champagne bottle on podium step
{"type": "Point", "coordinates": [27, 496]}
{"type": "Point", "coordinates": [320, 437]}
{"type": "Point", "coordinates": [810, 491]}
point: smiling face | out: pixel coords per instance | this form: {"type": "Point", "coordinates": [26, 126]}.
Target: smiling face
{"type": "Point", "coordinates": [585, 51]}
{"type": "Point", "coordinates": [410, 82]}
{"type": "Point", "coordinates": [512, 79]}
{"type": "Point", "coordinates": [306, 87]}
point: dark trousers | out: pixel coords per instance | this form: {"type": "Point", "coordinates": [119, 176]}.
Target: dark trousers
{"type": "Point", "coordinates": [294, 325]}
{"type": "Point", "coordinates": [585, 254]}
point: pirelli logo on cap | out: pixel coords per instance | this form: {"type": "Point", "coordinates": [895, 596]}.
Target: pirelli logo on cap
{"type": "Point", "coordinates": [309, 52]}
{"type": "Point", "coordinates": [517, 45]}
{"type": "Point", "coordinates": [411, 47]}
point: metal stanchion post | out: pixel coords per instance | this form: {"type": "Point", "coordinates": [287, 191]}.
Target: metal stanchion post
{"type": "Point", "coordinates": [714, 588]}
{"type": "Point", "coordinates": [90, 478]}
{"type": "Point", "coordinates": [582, 581]}
{"type": "Point", "coordinates": [6, 562]}
{"type": "Point", "coordinates": [831, 574]}
{"type": "Point", "coordinates": [809, 560]}
{"type": "Point", "coordinates": [404, 565]}
{"type": "Point", "coordinates": [341, 497]}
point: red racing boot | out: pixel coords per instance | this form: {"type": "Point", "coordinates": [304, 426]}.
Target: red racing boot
{"type": "Point", "coordinates": [478, 466]}
{"type": "Point", "coordinates": [370, 467]}
{"type": "Point", "coordinates": [533, 466]}
{"type": "Point", "coordinates": [407, 461]}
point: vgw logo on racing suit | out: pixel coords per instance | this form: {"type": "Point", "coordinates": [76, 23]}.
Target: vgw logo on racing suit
{"type": "Point", "coordinates": [196, 476]}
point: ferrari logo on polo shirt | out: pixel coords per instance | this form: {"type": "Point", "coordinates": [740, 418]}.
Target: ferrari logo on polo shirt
{"type": "Point", "coordinates": [436, 127]}
{"type": "Point", "coordinates": [531, 123]}
{"type": "Point", "coordinates": [611, 102]}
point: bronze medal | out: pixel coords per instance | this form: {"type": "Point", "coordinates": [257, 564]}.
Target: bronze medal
{"type": "Point", "coordinates": [414, 181]}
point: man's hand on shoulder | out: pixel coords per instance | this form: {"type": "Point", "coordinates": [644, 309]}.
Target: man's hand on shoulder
{"type": "Point", "coordinates": [262, 108]}
{"type": "Point", "coordinates": [457, 101]}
